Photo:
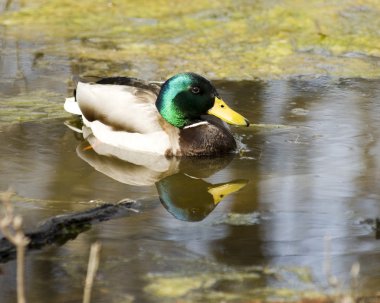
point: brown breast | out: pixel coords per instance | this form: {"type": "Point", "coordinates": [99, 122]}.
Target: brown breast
{"type": "Point", "coordinates": [207, 139]}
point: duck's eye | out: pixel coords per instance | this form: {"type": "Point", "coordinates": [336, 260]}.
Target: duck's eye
{"type": "Point", "coordinates": [195, 90]}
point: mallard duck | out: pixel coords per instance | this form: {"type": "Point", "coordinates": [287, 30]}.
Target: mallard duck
{"type": "Point", "coordinates": [180, 118]}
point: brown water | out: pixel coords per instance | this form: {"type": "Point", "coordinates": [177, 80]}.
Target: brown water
{"type": "Point", "coordinates": [313, 178]}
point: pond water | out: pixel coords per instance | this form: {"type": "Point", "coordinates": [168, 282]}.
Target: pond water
{"type": "Point", "coordinates": [300, 199]}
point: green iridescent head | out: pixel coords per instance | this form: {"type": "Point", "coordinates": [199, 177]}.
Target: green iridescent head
{"type": "Point", "coordinates": [185, 97]}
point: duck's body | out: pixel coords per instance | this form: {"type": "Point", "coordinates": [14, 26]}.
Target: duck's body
{"type": "Point", "coordinates": [171, 120]}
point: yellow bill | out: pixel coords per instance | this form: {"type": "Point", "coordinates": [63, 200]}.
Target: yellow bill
{"type": "Point", "coordinates": [220, 191]}
{"type": "Point", "coordinates": [224, 112]}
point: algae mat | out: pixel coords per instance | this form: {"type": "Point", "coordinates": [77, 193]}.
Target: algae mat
{"type": "Point", "coordinates": [220, 39]}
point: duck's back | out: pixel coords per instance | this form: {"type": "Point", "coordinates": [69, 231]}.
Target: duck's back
{"type": "Point", "coordinates": [118, 105]}
{"type": "Point", "coordinates": [121, 112]}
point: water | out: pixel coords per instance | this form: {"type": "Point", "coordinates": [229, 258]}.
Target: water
{"type": "Point", "coordinates": [307, 179]}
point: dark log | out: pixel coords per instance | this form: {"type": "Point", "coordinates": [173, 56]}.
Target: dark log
{"type": "Point", "coordinates": [61, 228]}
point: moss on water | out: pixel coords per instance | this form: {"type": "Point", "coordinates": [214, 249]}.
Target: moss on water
{"type": "Point", "coordinates": [221, 39]}
{"type": "Point", "coordinates": [204, 281]}
{"type": "Point", "coordinates": [225, 286]}
{"type": "Point", "coordinates": [33, 106]}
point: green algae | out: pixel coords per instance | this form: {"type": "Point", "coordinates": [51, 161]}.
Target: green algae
{"type": "Point", "coordinates": [33, 106]}
{"type": "Point", "coordinates": [221, 39]}
{"type": "Point", "coordinates": [177, 285]}
{"type": "Point", "coordinates": [202, 280]}
{"type": "Point", "coordinates": [242, 285]}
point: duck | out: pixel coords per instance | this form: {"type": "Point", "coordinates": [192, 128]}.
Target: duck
{"type": "Point", "coordinates": [183, 116]}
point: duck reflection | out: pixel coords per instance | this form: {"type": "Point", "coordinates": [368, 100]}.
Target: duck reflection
{"type": "Point", "coordinates": [190, 199]}
{"type": "Point", "coordinates": [179, 182]}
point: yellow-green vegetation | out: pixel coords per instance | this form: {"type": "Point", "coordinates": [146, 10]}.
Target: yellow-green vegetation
{"type": "Point", "coordinates": [25, 107]}
{"type": "Point", "coordinates": [218, 38]}
{"type": "Point", "coordinates": [226, 286]}
{"type": "Point", "coordinates": [176, 286]}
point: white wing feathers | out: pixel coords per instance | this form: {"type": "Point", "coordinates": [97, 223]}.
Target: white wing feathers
{"type": "Point", "coordinates": [119, 106]}
{"type": "Point", "coordinates": [121, 116]}
{"type": "Point", "coordinates": [71, 106]}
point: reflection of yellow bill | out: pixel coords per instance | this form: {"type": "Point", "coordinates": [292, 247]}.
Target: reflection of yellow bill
{"type": "Point", "coordinates": [224, 112]}
{"type": "Point", "coordinates": [219, 191]}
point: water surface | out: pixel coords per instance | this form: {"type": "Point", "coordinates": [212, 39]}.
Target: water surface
{"type": "Point", "coordinates": [310, 182]}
